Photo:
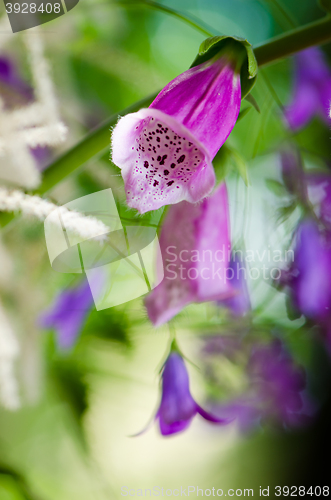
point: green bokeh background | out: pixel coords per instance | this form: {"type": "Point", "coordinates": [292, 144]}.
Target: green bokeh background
{"type": "Point", "coordinates": [70, 441]}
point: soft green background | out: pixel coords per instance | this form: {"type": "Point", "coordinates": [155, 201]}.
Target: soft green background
{"type": "Point", "coordinates": [71, 439]}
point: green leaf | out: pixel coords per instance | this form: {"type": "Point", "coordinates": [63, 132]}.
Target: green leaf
{"type": "Point", "coordinates": [18, 480]}
{"type": "Point", "coordinates": [240, 165]}
{"type": "Point", "coordinates": [249, 98]}
{"type": "Point", "coordinates": [292, 312]}
{"type": "Point", "coordinates": [213, 45]}
{"type": "Point", "coordinates": [276, 187]}
{"type": "Point", "coordinates": [228, 159]}
{"type": "Point", "coordinates": [243, 113]}
{"type": "Point", "coordinates": [284, 213]}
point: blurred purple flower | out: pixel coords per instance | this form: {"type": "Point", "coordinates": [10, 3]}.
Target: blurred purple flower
{"type": "Point", "coordinates": [68, 313]}
{"type": "Point", "coordinates": [14, 89]}
{"type": "Point", "coordinates": [177, 407]}
{"type": "Point", "coordinates": [240, 303]}
{"type": "Point", "coordinates": [308, 277]}
{"type": "Point", "coordinates": [312, 89]}
{"type": "Point", "coordinates": [227, 345]}
{"type": "Point", "coordinates": [278, 384]}
{"type": "Point", "coordinates": [195, 245]}
{"type": "Point", "coordinates": [165, 151]}
{"type": "Point", "coordinates": [275, 393]}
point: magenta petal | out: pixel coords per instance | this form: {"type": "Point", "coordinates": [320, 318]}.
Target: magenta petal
{"type": "Point", "coordinates": [312, 88]}
{"type": "Point", "coordinates": [212, 418]}
{"type": "Point", "coordinates": [206, 100]}
{"type": "Point", "coordinates": [173, 428]}
{"type": "Point", "coordinates": [195, 245]}
{"type": "Point", "coordinates": [303, 106]}
{"type": "Point", "coordinates": [162, 162]}
{"type": "Point", "coordinates": [311, 289]}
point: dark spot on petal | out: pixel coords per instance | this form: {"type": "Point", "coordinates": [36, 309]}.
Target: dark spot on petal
{"type": "Point", "coordinates": [166, 172]}
{"type": "Point", "coordinates": [146, 164]}
{"type": "Point", "coordinates": [173, 165]}
{"type": "Point", "coordinates": [170, 183]}
{"type": "Point", "coordinates": [181, 159]}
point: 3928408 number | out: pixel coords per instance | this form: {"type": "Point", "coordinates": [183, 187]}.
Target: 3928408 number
{"type": "Point", "coordinates": [31, 8]}
{"type": "Point", "coordinates": [295, 491]}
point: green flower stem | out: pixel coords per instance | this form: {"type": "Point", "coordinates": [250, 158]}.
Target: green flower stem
{"type": "Point", "coordinates": [288, 43]}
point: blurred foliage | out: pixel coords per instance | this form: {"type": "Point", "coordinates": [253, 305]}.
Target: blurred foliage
{"type": "Point", "coordinates": [69, 441]}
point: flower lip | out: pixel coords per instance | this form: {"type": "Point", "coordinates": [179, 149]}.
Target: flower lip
{"type": "Point", "coordinates": [162, 162]}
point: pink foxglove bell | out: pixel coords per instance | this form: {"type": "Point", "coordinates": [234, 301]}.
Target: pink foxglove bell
{"type": "Point", "coordinates": [165, 151]}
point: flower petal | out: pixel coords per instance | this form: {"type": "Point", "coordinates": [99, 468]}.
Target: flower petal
{"type": "Point", "coordinates": [161, 160]}
{"type": "Point", "coordinates": [173, 428]}
{"type": "Point", "coordinates": [212, 418]}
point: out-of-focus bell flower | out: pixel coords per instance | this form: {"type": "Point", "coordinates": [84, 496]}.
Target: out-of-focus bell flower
{"type": "Point", "coordinates": [195, 246]}
{"type": "Point", "coordinates": [68, 313]}
{"type": "Point", "coordinates": [240, 303]}
{"type": "Point", "coordinates": [275, 392]}
{"type": "Point", "coordinates": [165, 151]}
{"type": "Point", "coordinates": [312, 89]}
{"type": "Point", "coordinates": [177, 407]}
{"type": "Point", "coordinates": [278, 384]}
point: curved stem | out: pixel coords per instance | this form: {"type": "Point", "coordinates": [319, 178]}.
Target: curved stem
{"type": "Point", "coordinates": [292, 41]}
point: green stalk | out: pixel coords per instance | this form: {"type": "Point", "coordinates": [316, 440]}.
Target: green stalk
{"type": "Point", "coordinates": [293, 41]}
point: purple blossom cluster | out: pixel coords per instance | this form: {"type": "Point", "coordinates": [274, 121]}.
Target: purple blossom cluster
{"type": "Point", "coordinates": [275, 391]}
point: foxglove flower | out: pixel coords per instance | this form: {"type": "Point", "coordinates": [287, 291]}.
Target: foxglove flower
{"type": "Point", "coordinates": [195, 246]}
{"type": "Point", "coordinates": [68, 313]}
{"type": "Point", "coordinates": [177, 407]}
{"type": "Point", "coordinates": [240, 303]}
{"type": "Point", "coordinates": [165, 151]}
{"type": "Point", "coordinates": [312, 89]}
